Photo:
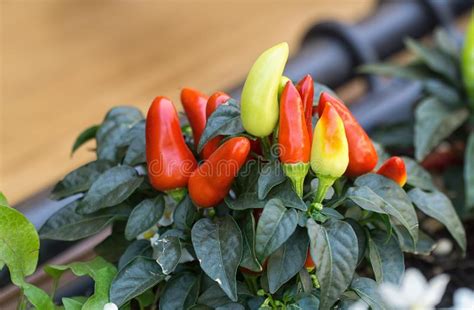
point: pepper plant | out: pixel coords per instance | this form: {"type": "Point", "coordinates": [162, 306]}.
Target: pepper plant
{"type": "Point", "coordinates": [250, 206]}
{"type": "Point", "coordinates": [441, 131]}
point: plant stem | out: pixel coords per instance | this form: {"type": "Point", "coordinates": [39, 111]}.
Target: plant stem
{"type": "Point", "coordinates": [266, 145]}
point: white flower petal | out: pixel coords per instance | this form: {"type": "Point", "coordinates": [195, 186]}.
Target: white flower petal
{"type": "Point", "coordinates": [414, 286]}
{"type": "Point", "coordinates": [436, 287]}
{"type": "Point", "coordinates": [463, 299]}
{"type": "Point", "coordinates": [392, 295]}
{"type": "Point", "coordinates": [110, 306]}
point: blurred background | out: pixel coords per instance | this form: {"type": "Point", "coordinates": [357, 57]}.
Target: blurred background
{"type": "Point", "coordinates": [65, 63]}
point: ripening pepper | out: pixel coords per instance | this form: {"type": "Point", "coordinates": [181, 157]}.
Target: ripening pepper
{"type": "Point", "coordinates": [214, 101]}
{"type": "Point", "coordinates": [259, 100]}
{"type": "Point", "coordinates": [211, 182]}
{"type": "Point", "coordinates": [306, 89]}
{"type": "Point", "coordinates": [309, 263]}
{"type": "Point", "coordinates": [293, 139]}
{"type": "Point", "coordinates": [194, 104]}
{"type": "Point", "coordinates": [170, 161]}
{"type": "Point", "coordinates": [467, 60]}
{"type": "Point", "coordinates": [283, 81]}
{"type": "Point", "coordinates": [362, 154]}
{"type": "Point", "coordinates": [394, 169]}
{"type": "Point", "coordinates": [329, 152]}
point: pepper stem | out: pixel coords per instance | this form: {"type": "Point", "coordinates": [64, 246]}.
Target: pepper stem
{"type": "Point", "coordinates": [266, 145]}
{"type": "Point", "coordinates": [177, 194]}
{"type": "Point", "coordinates": [324, 184]}
{"type": "Point", "coordinates": [297, 173]}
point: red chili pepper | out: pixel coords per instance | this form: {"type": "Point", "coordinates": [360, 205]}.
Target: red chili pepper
{"type": "Point", "coordinates": [362, 154]}
{"type": "Point", "coordinates": [394, 169]}
{"type": "Point", "coordinates": [194, 104]}
{"type": "Point", "coordinates": [309, 263]}
{"type": "Point", "coordinates": [306, 89]}
{"type": "Point", "coordinates": [214, 101]}
{"type": "Point", "coordinates": [293, 137]}
{"type": "Point", "coordinates": [211, 182]}
{"type": "Point", "coordinates": [170, 162]}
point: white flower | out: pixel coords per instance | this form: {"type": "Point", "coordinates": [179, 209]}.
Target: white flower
{"type": "Point", "coordinates": [415, 292]}
{"type": "Point", "coordinates": [463, 299]}
{"type": "Point", "coordinates": [110, 306]}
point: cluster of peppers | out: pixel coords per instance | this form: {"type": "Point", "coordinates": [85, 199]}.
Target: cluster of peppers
{"type": "Point", "coordinates": [274, 111]}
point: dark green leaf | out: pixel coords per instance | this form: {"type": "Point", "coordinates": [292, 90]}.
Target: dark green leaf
{"type": "Point", "coordinates": [136, 145]}
{"type": "Point", "coordinates": [434, 59]}
{"type": "Point", "coordinates": [111, 188]}
{"type": "Point", "coordinates": [284, 192]}
{"type": "Point", "coordinates": [271, 175]}
{"type": "Point", "coordinates": [367, 290]}
{"type": "Point", "coordinates": [439, 207]}
{"type": "Point", "coordinates": [398, 135]}
{"type": "Point", "coordinates": [86, 135]}
{"type": "Point", "coordinates": [249, 256]}
{"type": "Point", "coordinates": [112, 247]}
{"type": "Point", "coordinates": [99, 270]}
{"type": "Point", "coordinates": [124, 114]}
{"type": "Point", "coordinates": [379, 194]}
{"type": "Point", "coordinates": [307, 301]}
{"type": "Point", "coordinates": [66, 224]}
{"type": "Point", "coordinates": [218, 247]}
{"type": "Point", "coordinates": [180, 292]}
{"type": "Point", "coordinates": [275, 226]}
{"type": "Point", "coordinates": [361, 238]}
{"type": "Point", "coordinates": [417, 176]}
{"type": "Point", "coordinates": [446, 43]}
{"type": "Point", "coordinates": [146, 214]}
{"type": "Point", "coordinates": [167, 252]}
{"type": "Point", "coordinates": [80, 179]}
{"type": "Point", "coordinates": [411, 71]}
{"type": "Point", "coordinates": [224, 121]}
{"type": "Point", "coordinates": [135, 278]}
{"type": "Point", "coordinates": [109, 138]}
{"type": "Point", "coordinates": [423, 246]}
{"type": "Point", "coordinates": [334, 250]}
{"type": "Point", "coordinates": [445, 93]}
{"type": "Point", "coordinates": [434, 122]}
{"type": "Point", "coordinates": [137, 248]}
{"type": "Point", "coordinates": [469, 172]}
{"type": "Point", "coordinates": [288, 260]}
{"type": "Point", "coordinates": [185, 214]}
{"type": "Point", "coordinates": [386, 257]}
{"type": "Point", "coordinates": [214, 296]}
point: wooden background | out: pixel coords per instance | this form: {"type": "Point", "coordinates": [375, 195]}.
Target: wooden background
{"type": "Point", "coordinates": [65, 63]}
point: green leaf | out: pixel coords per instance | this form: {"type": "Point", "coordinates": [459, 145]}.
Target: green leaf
{"type": "Point", "coordinates": [214, 296]}
{"type": "Point", "coordinates": [275, 226]}
{"type": "Point", "coordinates": [381, 195]}
{"type": "Point", "coordinates": [185, 214]}
{"type": "Point", "coordinates": [86, 135]}
{"type": "Point", "coordinates": [109, 139]}
{"type": "Point", "coordinates": [180, 292]}
{"type": "Point", "coordinates": [288, 260]}
{"type": "Point", "coordinates": [410, 71]}
{"type": "Point", "coordinates": [66, 224]}
{"type": "Point", "coordinates": [333, 247]}
{"type": "Point", "coordinates": [135, 140]}
{"type": "Point", "coordinates": [469, 172]}
{"type": "Point", "coordinates": [367, 290]}
{"type": "Point", "coordinates": [423, 246]}
{"type": "Point", "coordinates": [137, 248]}
{"type": "Point", "coordinates": [99, 270]}
{"type": "Point", "coordinates": [284, 192]}
{"type": "Point", "coordinates": [439, 207]}
{"type": "Point", "coordinates": [218, 247]}
{"type": "Point", "coordinates": [271, 175]}
{"type": "Point", "coordinates": [124, 114]}
{"type": "Point", "coordinates": [80, 179]}
{"type": "Point", "coordinates": [434, 122]}
{"type": "Point", "coordinates": [167, 252]}
{"type": "Point", "coordinates": [146, 214]}
{"type": "Point", "coordinates": [445, 93]}
{"type": "Point", "coordinates": [361, 238]}
{"type": "Point", "coordinates": [135, 278]}
{"type": "Point", "coordinates": [3, 200]}
{"type": "Point", "coordinates": [19, 244]}
{"type": "Point", "coordinates": [249, 256]}
{"type": "Point", "coordinates": [446, 43]}
{"type": "Point", "coordinates": [111, 188]}
{"type": "Point", "coordinates": [37, 297]}
{"type": "Point", "coordinates": [417, 176]}
{"type": "Point", "coordinates": [113, 246]}
{"type": "Point", "coordinates": [224, 121]}
{"type": "Point", "coordinates": [386, 257]}
{"type": "Point", "coordinates": [434, 59]}
{"type": "Point", "coordinates": [74, 303]}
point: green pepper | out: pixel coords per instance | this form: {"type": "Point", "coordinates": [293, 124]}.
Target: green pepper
{"type": "Point", "coordinates": [259, 100]}
{"type": "Point", "coordinates": [468, 61]}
